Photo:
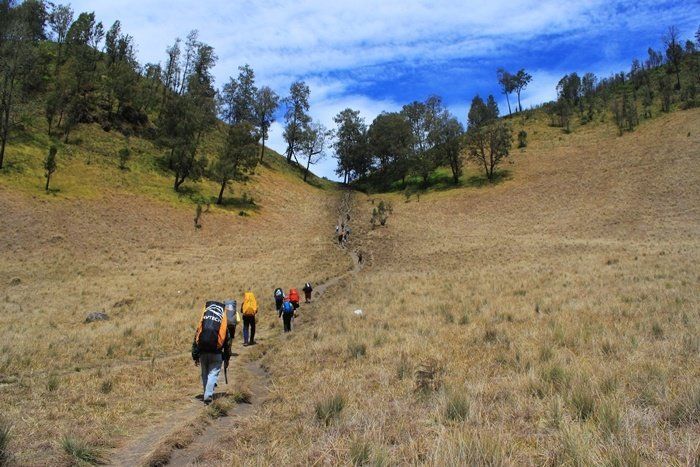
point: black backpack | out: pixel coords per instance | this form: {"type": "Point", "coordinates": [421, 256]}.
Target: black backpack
{"type": "Point", "coordinates": [211, 333]}
{"type": "Point", "coordinates": [279, 293]}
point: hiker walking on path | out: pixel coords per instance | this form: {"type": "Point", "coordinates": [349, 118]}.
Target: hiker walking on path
{"type": "Point", "coordinates": [279, 298]}
{"type": "Point", "coordinates": [294, 298]}
{"type": "Point", "coordinates": [307, 292]}
{"type": "Point", "coordinates": [249, 308]}
{"type": "Point", "coordinates": [286, 312]}
{"type": "Point", "coordinates": [211, 346]}
{"type": "Point", "coordinates": [233, 316]}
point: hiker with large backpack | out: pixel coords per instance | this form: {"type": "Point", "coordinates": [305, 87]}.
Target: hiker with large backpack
{"type": "Point", "coordinates": [307, 292]}
{"type": "Point", "coordinates": [211, 346]}
{"type": "Point", "coordinates": [279, 298]}
{"type": "Point", "coordinates": [294, 298]}
{"type": "Point", "coordinates": [286, 312]}
{"type": "Point", "coordinates": [249, 308]}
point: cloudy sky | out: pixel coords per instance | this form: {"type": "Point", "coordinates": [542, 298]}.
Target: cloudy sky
{"type": "Point", "coordinates": [379, 55]}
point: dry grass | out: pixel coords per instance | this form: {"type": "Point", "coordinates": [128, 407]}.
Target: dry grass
{"type": "Point", "coordinates": [138, 258]}
{"type": "Point", "coordinates": [562, 272]}
{"type": "Point", "coordinates": [549, 319]}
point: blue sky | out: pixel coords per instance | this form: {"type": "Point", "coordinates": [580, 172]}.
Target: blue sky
{"type": "Point", "coordinates": [378, 55]}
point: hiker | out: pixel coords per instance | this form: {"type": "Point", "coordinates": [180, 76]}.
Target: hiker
{"type": "Point", "coordinates": [211, 346]}
{"type": "Point", "coordinates": [286, 312]}
{"type": "Point", "coordinates": [307, 292]}
{"type": "Point", "coordinates": [233, 316]}
{"type": "Point", "coordinates": [346, 234]}
{"type": "Point", "coordinates": [249, 308]}
{"type": "Point", "coordinates": [340, 237]}
{"type": "Point", "coordinates": [294, 298]}
{"type": "Point", "coordinates": [359, 257]}
{"type": "Point", "coordinates": [337, 229]}
{"type": "Point", "coordinates": [279, 298]}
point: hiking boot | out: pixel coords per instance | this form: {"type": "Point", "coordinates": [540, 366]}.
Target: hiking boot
{"type": "Point", "coordinates": [208, 400]}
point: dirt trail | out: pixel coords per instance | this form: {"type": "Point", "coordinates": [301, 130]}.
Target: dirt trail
{"type": "Point", "coordinates": [187, 435]}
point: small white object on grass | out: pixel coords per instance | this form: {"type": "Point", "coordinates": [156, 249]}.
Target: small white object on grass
{"type": "Point", "coordinates": [358, 312]}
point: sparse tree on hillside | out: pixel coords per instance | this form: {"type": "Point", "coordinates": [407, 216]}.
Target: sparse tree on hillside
{"type": "Point", "coordinates": [507, 83]}
{"type": "Point", "coordinates": [296, 117]}
{"type": "Point", "coordinates": [171, 72]}
{"type": "Point", "coordinates": [390, 142]}
{"type": "Point", "coordinates": [238, 156]}
{"type": "Point", "coordinates": [488, 140]}
{"type": "Point", "coordinates": [50, 165]}
{"type": "Point", "coordinates": [654, 58]}
{"type": "Point", "coordinates": [266, 104]}
{"type": "Point", "coordinates": [674, 53]}
{"type": "Point", "coordinates": [22, 28]}
{"type": "Point", "coordinates": [422, 117]}
{"type": "Point", "coordinates": [520, 82]}
{"type": "Point", "coordinates": [447, 136]}
{"type": "Point", "coordinates": [237, 101]}
{"type": "Point", "coordinates": [60, 20]}
{"type": "Point", "coordinates": [351, 144]}
{"type": "Point", "coordinates": [313, 144]}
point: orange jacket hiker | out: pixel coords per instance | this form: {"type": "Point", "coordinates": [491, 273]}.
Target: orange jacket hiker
{"type": "Point", "coordinates": [294, 295]}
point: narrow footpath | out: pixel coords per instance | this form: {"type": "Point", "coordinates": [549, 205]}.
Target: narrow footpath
{"type": "Point", "coordinates": [188, 434]}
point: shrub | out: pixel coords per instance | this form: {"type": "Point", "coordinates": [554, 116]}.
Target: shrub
{"type": "Point", "coordinates": [81, 451]}
{"type": "Point", "coordinates": [522, 139]}
{"type": "Point", "coordinates": [106, 386]}
{"type": "Point", "coordinates": [329, 409]}
{"type": "Point", "coordinates": [456, 407]}
{"type": "Point", "coordinates": [381, 213]}
{"type": "Point", "coordinates": [124, 156]}
{"type": "Point", "coordinates": [428, 377]}
{"type": "Point", "coordinates": [357, 349]}
{"type": "Point", "coordinates": [53, 383]}
{"type": "Point", "coordinates": [657, 331]}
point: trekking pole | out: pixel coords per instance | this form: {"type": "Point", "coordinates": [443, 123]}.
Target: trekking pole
{"type": "Point", "coordinates": [226, 372]}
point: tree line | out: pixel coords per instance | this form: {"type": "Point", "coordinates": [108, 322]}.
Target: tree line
{"type": "Point", "coordinates": [72, 71]}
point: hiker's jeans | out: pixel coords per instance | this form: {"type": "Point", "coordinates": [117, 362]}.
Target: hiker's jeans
{"type": "Point", "coordinates": [248, 329]}
{"type": "Point", "coordinates": [287, 320]}
{"type": "Point", "coordinates": [211, 367]}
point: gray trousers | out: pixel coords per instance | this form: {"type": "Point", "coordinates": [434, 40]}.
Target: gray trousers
{"type": "Point", "coordinates": [211, 367]}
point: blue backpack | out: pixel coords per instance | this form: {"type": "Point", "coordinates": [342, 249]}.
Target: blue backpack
{"type": "Point", "coordinates": [287, 307]}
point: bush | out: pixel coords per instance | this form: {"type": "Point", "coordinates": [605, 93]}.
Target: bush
{"type": "Point", "coordinates": [81, 451]}
{"type": "Point", "coordinates": [124, 156]}
{"type": "Point", "coordinates": [53, 383]}
{"type": "Point", "coordinates": [329, 409]}
{"type": "Point", "coordinates": [357, 349]}
{"type": "Point", "coordinates": [522, 139]}
{"type": "Point", "coordinates": [582, 402]}
{"type": "Point", "coordinates": [106, 386]}
{"type": "Point", "coordinates": [381, 213]}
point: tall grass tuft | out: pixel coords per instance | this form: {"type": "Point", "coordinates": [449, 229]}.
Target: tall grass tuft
{"type": "Point", "coordinates": [608, 418]}
{"type": "Point", "coordinates": [5, 435]}
{"type": "Point", "coordinates": [329, 409]}
{"type": "Point", "coordinates": [360, 452]}
{"type": "Point", "coordinates": [80, 451]}
{"type": "Point", "coordinates": [582, 401]}
{"type": "Point", "coordinates": [456, 407]}
{"type": "Point", "coordinates": [686, 410]}
{"type": "Point", "coordinates": [357, 349]}
{"type": "Point", "coordinates": [470, 448]}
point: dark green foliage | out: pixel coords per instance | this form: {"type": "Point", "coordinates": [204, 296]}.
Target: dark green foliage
{"type": "Point", "coordinates": [124, 156]}
{"type": "Point", "coordinates": [238, 156]}
{"type": "Point", "coordinates": [351, 145]}
{"type": "Point", "coordinates": [50, 164]}
{"type": "Point", "coordinates": [522, 139]}
{"type": "Point", "coordinates": [296, 117]}
{"type": "Point", "coordinates": [380, 214]}
{"type": "Point", "coordinates": [488, 140]}
{"type": "Point", "coordinates": [624, 111]}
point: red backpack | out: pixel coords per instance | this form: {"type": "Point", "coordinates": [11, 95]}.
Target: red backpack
{"type": "Point", "coordinates": [293, 295]}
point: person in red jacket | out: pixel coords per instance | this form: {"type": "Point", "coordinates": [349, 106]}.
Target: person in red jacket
{"type": "Point", "coordinates": [294, 298]}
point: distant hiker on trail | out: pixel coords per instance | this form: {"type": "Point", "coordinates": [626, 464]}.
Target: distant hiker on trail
{"type": "Point", "coordinates": [294, 298]}
{"type": "Point", "coordinates": [249, 310]}
{"type": "Point", "coordinates": [307, 292]}
{"type": "Point", "coordinates": [337, 229]}
{"type": "Point", "coordinates": [346, 234]}
{"type": "Point", "coordinates": [233, 316]}
{"type": "Point", "coordinates": [211, 346]}
{"type": "Point", "coordinates": [279, 298]}
{"type": "Point", "coordinates": [287, 314]}
{"type": "Point", "coordinates": [341, 234]}
{"type": "Point", "coordinates": [359, 257]}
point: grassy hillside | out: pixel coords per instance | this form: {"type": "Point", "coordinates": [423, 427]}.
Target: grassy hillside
{"type": "Point", "coordinates": [550, 319]}
{"type": "Point", "coordinates": [123, 242]}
